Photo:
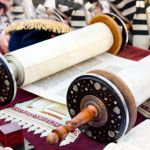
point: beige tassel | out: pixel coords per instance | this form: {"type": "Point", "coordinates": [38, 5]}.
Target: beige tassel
{"type": "Point", "coordinates": [39, 24]}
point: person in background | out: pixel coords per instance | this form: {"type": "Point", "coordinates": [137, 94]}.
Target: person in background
{"type": "Point", "coordinates": [10, 11]}
{"type": "Point", "coordinates": [132, 12]}
{"type": "Point", "coordinates": [4, 6]}
{"type": "Point", "coordinates": [4, 42]}
{"type": "Point", "coordinates": [136, 13]}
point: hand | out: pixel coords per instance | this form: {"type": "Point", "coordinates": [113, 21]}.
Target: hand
{"type": "Point", "coordinates": [6, 5]}
{"type": "Point", "coordinates": [4, 42]}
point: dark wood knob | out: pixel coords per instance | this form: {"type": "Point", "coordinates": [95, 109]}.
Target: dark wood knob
{"type": "Point", "coordinates": [85, 116]}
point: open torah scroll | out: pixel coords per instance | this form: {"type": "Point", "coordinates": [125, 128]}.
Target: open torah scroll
{"type": "Point", "coordinates": [49, 57]}
{"type": "Point", "coordinates": [54, 87]}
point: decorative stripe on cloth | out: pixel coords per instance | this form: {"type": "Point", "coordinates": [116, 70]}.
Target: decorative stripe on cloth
{"type": "Point", "coordinates": [39, 116]}
{"type": "Point", "coordinates": [16, 12]}
{"type": "Point", "coordinates": [78, 19]}
{"type": "Point", "coordinates": [135, 12]}
{"type": "Point", "coordinates": [126, 7]}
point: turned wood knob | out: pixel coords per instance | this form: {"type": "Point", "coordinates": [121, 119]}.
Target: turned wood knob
{"type": "Point", "coordinates": [85, 116]}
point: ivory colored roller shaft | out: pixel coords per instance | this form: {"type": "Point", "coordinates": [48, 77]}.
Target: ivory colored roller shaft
{"type": "Point", "coordinates": [50, 56]}
{"type": "Point", "coordinates": [137, 79]}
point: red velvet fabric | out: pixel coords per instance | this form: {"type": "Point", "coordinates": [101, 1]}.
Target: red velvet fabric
{"type": "Point", "coordinates": [134, 53]}
{"type": "Point", "coordinates": [82, 142]}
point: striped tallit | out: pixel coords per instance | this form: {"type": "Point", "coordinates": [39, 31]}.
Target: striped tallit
{"type": "Point", "coordinates": [141, 37]}
{"type": "Point", "coordinates": [131, 11]}
{"type": "Point", "coordinates": [78, 19]}
{"type": "Point", "coordinates": [135, 12]}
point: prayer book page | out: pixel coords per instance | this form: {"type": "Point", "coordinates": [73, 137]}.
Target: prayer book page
{"type": "Point", "coordinates": [136, 139]}
{"type": "Point", "coordinates": [54, 87]}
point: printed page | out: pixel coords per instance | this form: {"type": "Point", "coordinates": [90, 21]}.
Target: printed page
{"type": "Point", "coordinates": [124, 146]}
{"type": "Point", "coordinates": [138, 136]}
{"type": "Point", "coordinates": [54, 87]}
{"type": "Point", "coordinates": [136, 139]}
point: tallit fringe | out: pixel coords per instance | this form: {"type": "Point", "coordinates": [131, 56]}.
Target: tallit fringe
{"type": "Point", "coordinates": [39, 24]}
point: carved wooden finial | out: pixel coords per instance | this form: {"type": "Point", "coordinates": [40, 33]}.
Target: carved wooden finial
{"type": "Point", "coordinates": [53, 138]}
{"type": "Point", "coordinates": [85, 116]}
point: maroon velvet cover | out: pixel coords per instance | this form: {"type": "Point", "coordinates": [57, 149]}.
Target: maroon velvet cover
{"type": "Point", "coordinates": [82, 142]}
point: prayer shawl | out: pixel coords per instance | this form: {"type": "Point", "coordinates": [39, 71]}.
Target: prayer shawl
{"type": "Point", "coordinates": [134, 11]}
{"type": "Point", "coordinates": [76, 12]}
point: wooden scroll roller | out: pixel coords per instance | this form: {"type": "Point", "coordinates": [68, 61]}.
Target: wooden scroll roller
{"type": "Point", "coordinates": [35, 62]}
{"type": "Point", "coordinates": [104, 105]}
